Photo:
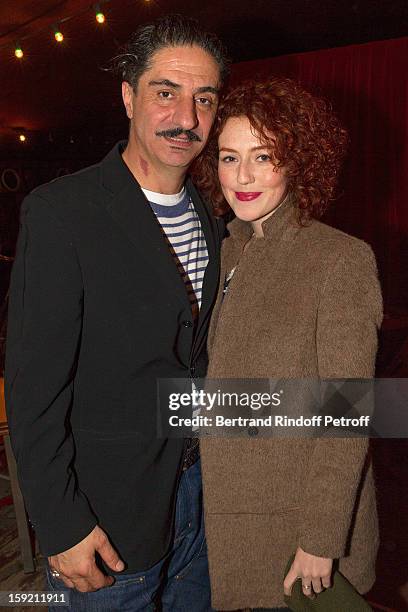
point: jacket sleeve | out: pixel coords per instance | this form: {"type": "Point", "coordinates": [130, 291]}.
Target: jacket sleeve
{"type": "Point", "coordinates": [44, 329]}
{"type": "Point", "coordinates": [350, 313]}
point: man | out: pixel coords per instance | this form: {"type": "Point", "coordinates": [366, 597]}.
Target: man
{"type": "Point", "coordinates": [113, 284]}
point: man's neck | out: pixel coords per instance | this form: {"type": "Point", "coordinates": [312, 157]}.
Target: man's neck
{"type": "Point", "coordinates": [168, 180]}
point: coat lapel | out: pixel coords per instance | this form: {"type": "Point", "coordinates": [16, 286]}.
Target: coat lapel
{"type": "Point", "coordinates": [130, 210]}
{"type": "Point", "coordinates": [211, 276]}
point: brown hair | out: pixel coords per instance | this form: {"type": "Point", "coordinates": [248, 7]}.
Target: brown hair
{"type": "Point", "coordinates": [305, 137]}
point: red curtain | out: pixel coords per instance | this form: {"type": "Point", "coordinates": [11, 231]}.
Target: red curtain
{"type": "Point", "coordinates": [368, 89]}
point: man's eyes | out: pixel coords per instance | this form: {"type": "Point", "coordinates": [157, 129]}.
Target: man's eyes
{"type": "Point", "coordinates": [165, 94]}
{"type": "Point", "coordinates": [168, 95]}
{"type": "Point", "coordinates": [227, 159]}
{"type": "Point", "coordinates": [205, 101]}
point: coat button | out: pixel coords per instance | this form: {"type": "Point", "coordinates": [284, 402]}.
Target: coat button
{"type": "Point", "coordinates": [187, 324]}
{"type": "Point", "coordinates": [253, 431]}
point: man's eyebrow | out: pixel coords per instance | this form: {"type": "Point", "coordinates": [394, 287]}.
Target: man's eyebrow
{"type": "Point", "coordinates": [208, 89]}
{"type": "Point", "coordinates": [166, 83]}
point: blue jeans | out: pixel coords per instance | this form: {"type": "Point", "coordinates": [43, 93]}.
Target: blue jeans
{"type": "Point", "coordinates": [177, 583]}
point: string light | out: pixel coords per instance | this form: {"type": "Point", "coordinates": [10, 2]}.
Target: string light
{"type": "Point", "coordinates": [99, 16]}
{"type": "Point", "coordinates": [18, 52]}
{"type": "Point", "coordinates": [22, 137]}
{"type": "Point", "coordinates": [59, 37]}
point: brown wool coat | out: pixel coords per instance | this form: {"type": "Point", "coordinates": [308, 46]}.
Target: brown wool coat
{"type": "Point", "coordinates": [303, 302]}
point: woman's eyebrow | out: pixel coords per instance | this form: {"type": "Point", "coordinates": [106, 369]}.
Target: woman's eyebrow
{"type": "Point", "coordinates": [258, 148]}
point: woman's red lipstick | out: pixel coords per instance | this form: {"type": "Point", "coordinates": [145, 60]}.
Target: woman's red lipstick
{"type": "Point", "coordinates": [246, 196]}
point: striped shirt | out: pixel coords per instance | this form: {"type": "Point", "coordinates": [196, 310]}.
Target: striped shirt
{"type": "Point", "coordinates": [181, 227]}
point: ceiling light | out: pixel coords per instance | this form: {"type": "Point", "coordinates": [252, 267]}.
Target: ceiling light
{"type": "Point", "coordinates": [99, 16]}
{"type": "Point", "coordinates": [18, 52]}
{"type": "Point", "coordinates": [59, 37]}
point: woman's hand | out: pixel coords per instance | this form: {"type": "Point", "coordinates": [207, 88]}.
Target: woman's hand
{"type": "Point", "coordinates": [315, 573]}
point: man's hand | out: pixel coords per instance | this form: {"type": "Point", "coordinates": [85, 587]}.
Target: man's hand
{"type": "Point", "coordinates": [77, 567]}
{"type": "Point", "coordinates": [315, 573]}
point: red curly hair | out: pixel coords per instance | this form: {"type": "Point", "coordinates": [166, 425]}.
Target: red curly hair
{"type": "Point", "coordinates": [306, 139]}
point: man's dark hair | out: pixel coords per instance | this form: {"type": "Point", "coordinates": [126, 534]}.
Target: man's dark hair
{"type": "Point", "coordinates": [167, 31]}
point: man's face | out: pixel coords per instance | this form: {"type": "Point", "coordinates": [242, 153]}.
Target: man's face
{"type": "Point", "coordinates": [174, 106]}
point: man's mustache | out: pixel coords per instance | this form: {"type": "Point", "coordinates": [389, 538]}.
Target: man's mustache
{"type": "Point", "coordinates": [174, 132]}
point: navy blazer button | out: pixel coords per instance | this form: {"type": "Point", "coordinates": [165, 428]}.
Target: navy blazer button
{"type": "Point", "coordinates": [253, 431]}
{"type": "Point", "coordinates": [187, 324]}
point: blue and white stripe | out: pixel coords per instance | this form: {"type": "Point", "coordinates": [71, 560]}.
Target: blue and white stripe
{"type": "Point", "coordinates": [181, 225]}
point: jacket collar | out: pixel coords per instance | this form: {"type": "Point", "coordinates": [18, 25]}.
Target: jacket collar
{"type": "Point", "coordinates": [115, 173]}
{"type": "Point", "coordinates": [279, 226]}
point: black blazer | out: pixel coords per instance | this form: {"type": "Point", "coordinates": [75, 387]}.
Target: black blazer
{"type": "Point", "coordinates": [97, 313]}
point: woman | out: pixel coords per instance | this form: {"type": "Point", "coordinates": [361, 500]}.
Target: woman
{"type": "Point", "coordinates": [298, 299]}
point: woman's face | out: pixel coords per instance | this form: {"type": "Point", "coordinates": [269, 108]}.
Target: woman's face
{"type": "Point", "coordinates": [251, 184]}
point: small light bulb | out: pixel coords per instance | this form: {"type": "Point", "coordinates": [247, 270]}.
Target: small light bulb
{"type": "Point", "coordinates": [18, 52]}
{"type": "Point", "coordinates": [22, 138]}
{"type": "Point", "coordinates": [100, 17]}
{"type": "Point", "coordinates": [59, 37]}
